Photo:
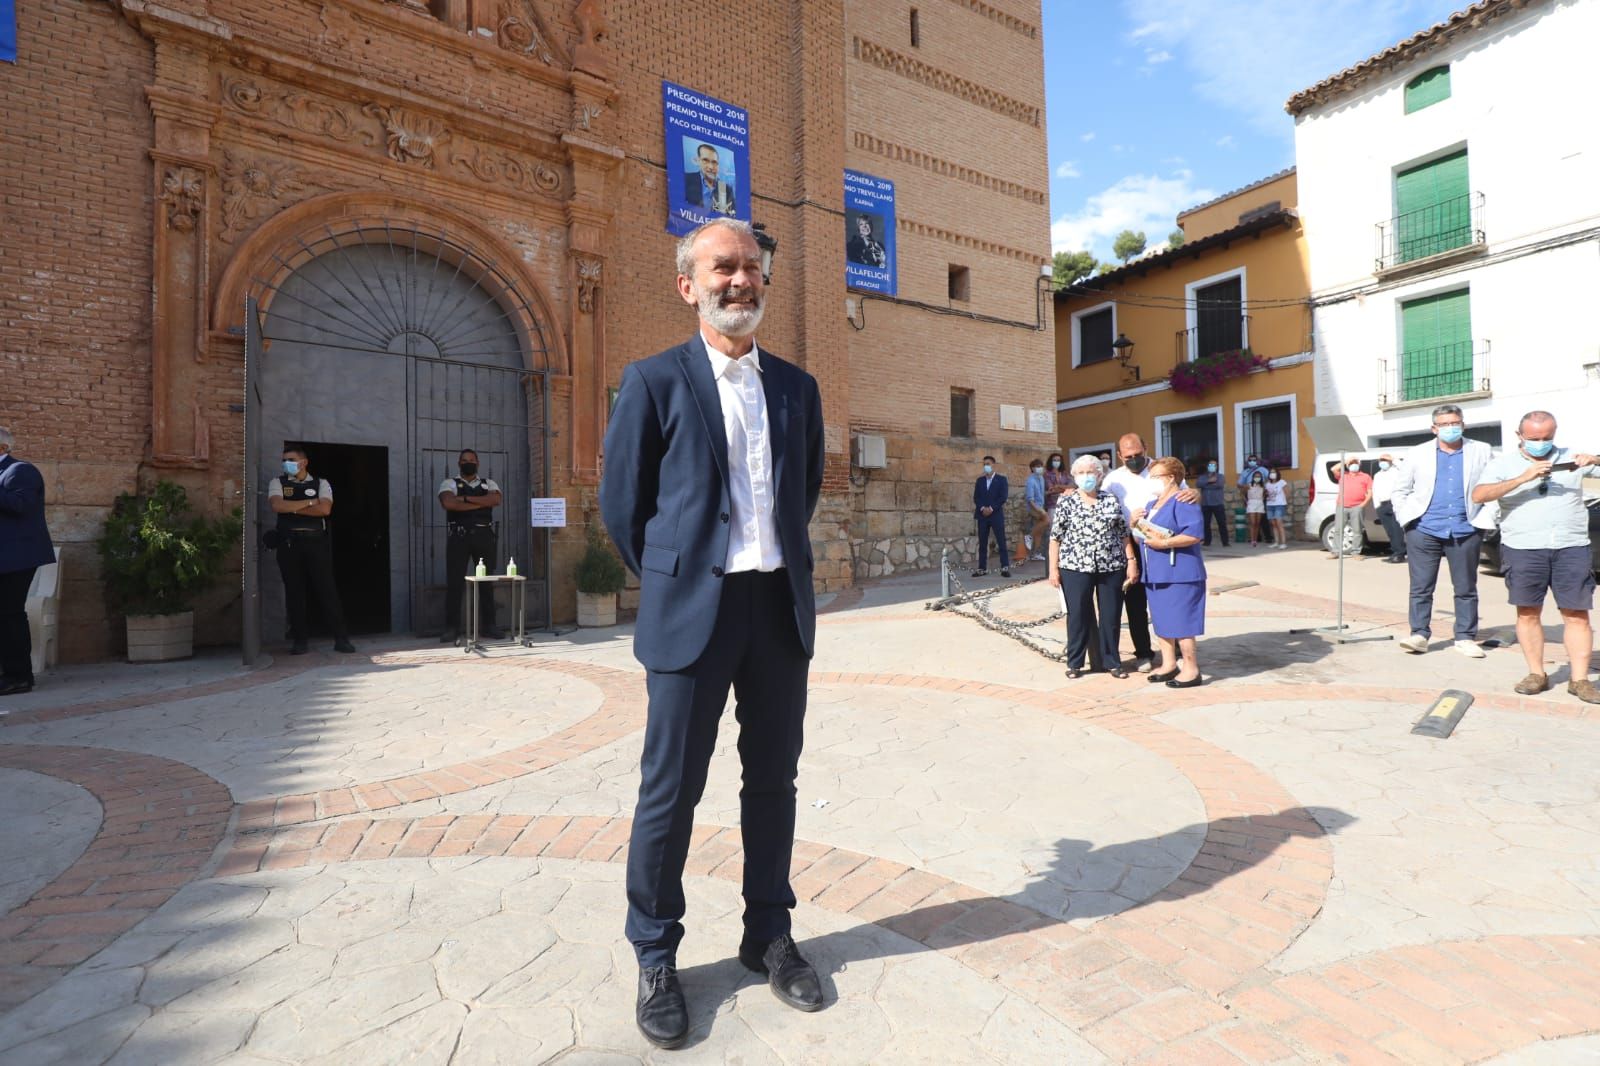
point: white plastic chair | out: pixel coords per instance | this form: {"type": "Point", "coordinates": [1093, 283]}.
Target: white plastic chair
{"type": "Point", "coordinates": [44, 610]}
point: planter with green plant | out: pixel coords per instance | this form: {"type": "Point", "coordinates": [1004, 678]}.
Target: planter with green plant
{"type": "Point", "coordinates": [157, 557]}
{"type": "Point", "coordinates": [600, 576]}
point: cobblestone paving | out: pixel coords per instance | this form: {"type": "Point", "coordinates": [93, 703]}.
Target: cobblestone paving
{"type": "Point", "coordinates": [417, 856]}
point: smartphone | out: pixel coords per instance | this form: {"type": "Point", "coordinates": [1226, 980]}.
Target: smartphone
{"type": "Point", "coordinates": [1563, 466]}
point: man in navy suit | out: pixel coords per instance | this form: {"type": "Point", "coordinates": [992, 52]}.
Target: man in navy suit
{"type": "Point", "coordinates": [713, 466]}
{"type": "Point", "coordinates": [24, 547]}
{"type": "Point", "coordinates": [989, 508]}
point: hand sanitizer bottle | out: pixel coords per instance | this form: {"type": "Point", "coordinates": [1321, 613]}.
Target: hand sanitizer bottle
{"type": "Point", "coordinates": [482, 571]}
{"type": "Point", "coordinates": [511, 567]}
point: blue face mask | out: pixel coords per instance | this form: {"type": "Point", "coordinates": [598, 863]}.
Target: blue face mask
{"type": "Point", "coordinates": [1450, 434]}
{"type": "Point", "coordinates": [1383, 464]}
{"type": "Point", "coordinates": [290, 467]}
{"type": "Point", "coordinates": [987, 469]}
{"type": "Point", "coordinates": [1089, 482]}
{"type": "Point", "coordinates": [1211, 468]}
{"type": "Point", "coordinates": [1538, 448]}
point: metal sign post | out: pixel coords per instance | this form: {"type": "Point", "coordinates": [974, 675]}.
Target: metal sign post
{"type": "Point", "coordinates": [1335, 433]}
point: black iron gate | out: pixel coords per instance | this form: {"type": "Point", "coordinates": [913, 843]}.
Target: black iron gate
{"type": "Point", "coordinates": [417, 342]}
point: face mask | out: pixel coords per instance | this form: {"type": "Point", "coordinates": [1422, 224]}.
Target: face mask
{"type": "Point", "coordinates": [290, 467]}
{"type": "Point", "coordinates": [1088, 482]}
{"type": "Point", "coordinates": [987, 469]}
{"type": "Point", "coordinates": [1211, 468]}
{"type": "Point", "coordinates": [1538, 448]}
{"type": "Point", "coordinates": [1450, 434]}
{"type": "Point", "coordinates": [1250, 461]}
{"type": "Point", "coordinates": [1055, 464]}
{"type": "Point", "coordinates": [1135, 463]}
{"type": "Point", "coordinates": [1272, 477]}
{"type": "Point", "coordinates": [1383, 464]}
{"type": "Point", "coordinates": [1255, 481]}
{"type": "Point", "coordinates": [469, 469]}
{"type": "Point", "coordinates": [1354, 468]}
{"type": "Point", "coordinates": [1036, 470]}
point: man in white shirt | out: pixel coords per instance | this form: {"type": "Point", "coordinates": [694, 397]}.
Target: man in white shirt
{"type": "Point", "coordinates": [1383, 499]}
{"type": "Point", "coordinates": [713, 467]}
{"type": "Point", "coordinates": [1130, 483]}
{"type": "Point", "coordinates": [469, 502]}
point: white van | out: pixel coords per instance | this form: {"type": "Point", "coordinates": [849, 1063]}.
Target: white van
{"type": "Point", "coordinates": [1323, 510]}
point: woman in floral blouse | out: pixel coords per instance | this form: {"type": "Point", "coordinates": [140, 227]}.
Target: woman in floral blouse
{"type": "Point", "coordinates": [1091, 559]}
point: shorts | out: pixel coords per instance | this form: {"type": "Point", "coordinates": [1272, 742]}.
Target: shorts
{"type": "Point", "coordinates": [1277, 510]}
{"type": "Point", "coordinates": [1254, 508]}
{"type": "Point", "coordinates": [1568, 572]}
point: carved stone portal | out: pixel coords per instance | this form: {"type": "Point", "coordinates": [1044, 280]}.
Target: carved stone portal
{"type": "Point", "coordinates": [249, 188]}
{"type": "Point", "coordinates": [410, 137]}
{"type": "Point", "coordinates": [589, 271]}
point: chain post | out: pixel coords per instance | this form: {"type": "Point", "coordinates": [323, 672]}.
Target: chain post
{"type": "Point", "coordinates": [944, 573]}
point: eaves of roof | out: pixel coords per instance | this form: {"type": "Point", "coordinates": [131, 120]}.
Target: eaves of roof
{"type": "Point", "coordinates": [1095, 285]}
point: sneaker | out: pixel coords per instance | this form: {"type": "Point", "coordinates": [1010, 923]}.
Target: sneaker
{"type": "Point", "coordinates": [1585, 690]}
{"type": "Point", "coordinates": [1144, 663]}
{"type": "Point", "coordinates": [1027, 541]}
{"type": "Point", "coordinates": [1005, 571]}
{"type": "Point", "coordinates": [1416, 644]}
{"type": "Point", "coordinates": [1282, 546]}
{"type": "Point", "coordinates": [1470, 649]}
{"type": "Point", "coordinates": [1038, 558]}
{"type": "Point", "coordinates": [1532, 685]}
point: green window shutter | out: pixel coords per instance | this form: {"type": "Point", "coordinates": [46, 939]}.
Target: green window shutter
{"type": "Point", "coordinates": [1432, 205]}
{"type": "Point", "coordinates": [1426, 88]}
{"type": "Point", "coordinates": [1436, 346]}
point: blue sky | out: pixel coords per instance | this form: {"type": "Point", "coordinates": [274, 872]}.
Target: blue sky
{"type": "Point", "coordinates": [1155, 106]}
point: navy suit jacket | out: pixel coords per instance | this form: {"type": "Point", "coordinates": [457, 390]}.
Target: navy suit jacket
{"type": "Point", "coordinates": [24, 538]}
{"type": "Point", "coordinates": [665, 501]}
{"type": "Point", "coordinates": [993, 496]}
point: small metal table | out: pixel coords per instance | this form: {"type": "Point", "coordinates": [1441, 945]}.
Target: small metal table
{"type": "Point", "coordinates": [519, 595]}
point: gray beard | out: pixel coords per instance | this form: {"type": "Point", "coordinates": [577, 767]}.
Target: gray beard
{"type": "Point", "coordinates": [730, 322]}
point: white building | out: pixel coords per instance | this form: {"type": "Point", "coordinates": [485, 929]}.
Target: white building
{"type": "Point", "coordinates": [1450, 194]}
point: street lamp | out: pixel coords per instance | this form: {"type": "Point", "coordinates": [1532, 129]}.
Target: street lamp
{"type": "Point", "coordinates": [769, 247]}
{"type": "Point", "coordinates": [1122, 348]}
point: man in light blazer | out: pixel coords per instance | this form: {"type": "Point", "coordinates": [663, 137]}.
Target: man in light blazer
{"type": "Point", "coordinates": [713, 467]}
{"type": "Point", "coordinates": [1432, 500]}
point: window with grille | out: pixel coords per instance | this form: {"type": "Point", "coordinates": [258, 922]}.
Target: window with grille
{"type": "Point", "coordinates": [1219, 316]}
{"type": "Point", "coordinates": [1269, 434]}
{"type": "Point", "coordinates": [1436, 346]}
{"type": "Point", "coordinates": [1432, 207]}
{"type": "Point", "coordinates": [961, 412]}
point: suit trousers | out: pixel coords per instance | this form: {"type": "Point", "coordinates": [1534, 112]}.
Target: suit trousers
{"type": "Point", "coordinates": [755, 649]}
{"type": "Point", "coordinates": [462, 550]}
{"type": "Point", "coordinates": [1423, 552]}
{"type": "Point", "coordinates": [1082, 591]}
{"type": "Point", "coordinates": [1138, 611]}
{"type": "Point", "coordinates": [1219, 514]}
{"type": "Point", "coordinates": [305, 560]}
{"type": "Point", "coordinates": [1391, 526]}
{"type": "Point", "coordinates": [16, 639]}
{"type": "Point", "coordinates": [996, 523]}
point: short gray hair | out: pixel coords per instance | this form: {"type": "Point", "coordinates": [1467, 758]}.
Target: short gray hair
{"type": "Point", "coordinates": [6, 440]}
{"type": "Point", "coordinates": [1090, 462]}
{"type": "Point", "coordinates": [1531, 416]}
{"type": "Point", "coordinates": [1447, 409]}
{"type": "Point", "coordinates": [686, 245]}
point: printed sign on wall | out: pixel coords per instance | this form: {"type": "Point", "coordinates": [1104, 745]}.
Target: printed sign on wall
{"type": "Point", "coordinates": [869, 233]}
{"type": "Point", "coordinates": [708, 158]}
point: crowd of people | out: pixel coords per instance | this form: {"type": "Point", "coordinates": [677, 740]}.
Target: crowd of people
{"type": "Point", "coordinates": [1126, 542]}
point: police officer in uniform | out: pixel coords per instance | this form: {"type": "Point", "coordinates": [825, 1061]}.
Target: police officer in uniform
{"type": "Point", "coordinates": [468, 503]}
{"type": "Point", "coordinates": [305, 552]}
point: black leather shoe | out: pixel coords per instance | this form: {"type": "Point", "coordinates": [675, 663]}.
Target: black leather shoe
{"type": "Point", "coordinates": [299, 648]}
{"type": "Point", "coordinates": [1193, 682]}
{"type": "Point", "coordinates": [662, 1015]}
{"type": "Point", "coordinates": [791, 976]}
{"type": "Point", "coordinates": [15, 688]}
{"type": "Point", "coordinates": [343, 646]}
{"type": "Point", "coordinates": [447, 637]}
{"type": "Point", "coordinates": [1005, 571]}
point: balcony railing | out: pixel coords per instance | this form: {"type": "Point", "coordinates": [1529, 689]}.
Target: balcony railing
{"type": "Point", "coordinates": [1213, 338]}
{"type": "Point", "coordinates": [1434, 374]}
{"type": "Point", "coordinates": [1431, 231]}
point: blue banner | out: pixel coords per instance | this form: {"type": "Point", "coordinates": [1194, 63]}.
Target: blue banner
{"type": "Point", "coordinates": [8, 31]}
{"type": "Point", "coordinates": [708, 158]}
{"type": "Point", "coordinates": [869, 261]}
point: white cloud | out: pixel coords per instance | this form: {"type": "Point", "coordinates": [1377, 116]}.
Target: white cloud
{"type": "Point", "coordinates": [1225, 141]}
{"type": "Point", "coordinates": [1251, 55]}
{"type": "Point", "coordinates": [1068, 169]}
{"type": "Point", "coordinates": [1155, 57]}
{"type": "Point", "coordinates": [1145, 202]}
{"type": "Point", "coordinates": [1086, 137]}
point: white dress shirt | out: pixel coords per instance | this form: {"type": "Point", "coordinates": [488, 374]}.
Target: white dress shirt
{"type": "Point", "coordinates": [1136, 492]}
{"type": "Point", "coordinates": [1383, 485]}
{"type": "Point", "coordinates": [752, 532]}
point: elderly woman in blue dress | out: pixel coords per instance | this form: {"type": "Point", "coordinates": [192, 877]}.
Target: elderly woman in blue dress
{"type": "Point", "coordinates": [1091, 559]}
{"type": "Point", "coordinates": [1174, 574]}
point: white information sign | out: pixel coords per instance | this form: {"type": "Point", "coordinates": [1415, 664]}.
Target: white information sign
{"type": "Point", "coordinates": [1013, 416]}
{"type": "Point", "coordinates": [548, 513]}
{"type": "Point", "coordinates": [1041, 420]}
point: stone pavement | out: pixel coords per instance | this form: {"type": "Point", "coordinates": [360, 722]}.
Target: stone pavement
{"type": "Point", "coordinates": [417, 856]}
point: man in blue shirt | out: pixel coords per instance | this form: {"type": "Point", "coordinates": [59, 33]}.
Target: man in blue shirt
{"type": "Point", "coordinates": [1252, 467]}
{"type": "Point", "coordinates": [1544, 546]}
{"type": "Point", "coordinates": [1033, 493]}
{"type": "Point", "coordinates": [1213, 502]}
{"type": "Point", "coordinates": [1432, 502]}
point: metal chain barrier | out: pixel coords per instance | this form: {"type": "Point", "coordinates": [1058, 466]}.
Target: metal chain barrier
{"type": "Point", "coordinates": [985, 617]}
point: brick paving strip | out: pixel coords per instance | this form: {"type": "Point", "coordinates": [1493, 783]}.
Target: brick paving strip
{"type": "Point", "coordinates": [160, 823]}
